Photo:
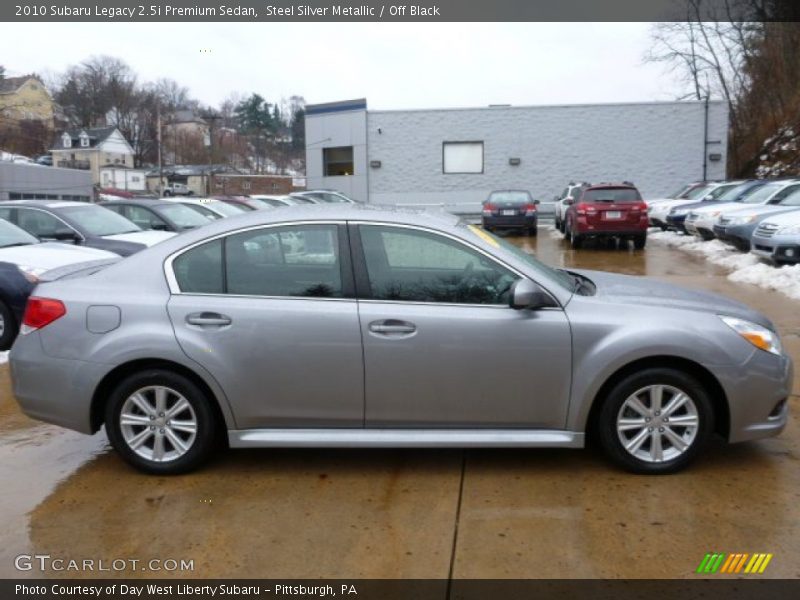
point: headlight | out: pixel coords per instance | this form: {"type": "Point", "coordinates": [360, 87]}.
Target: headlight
{"type": "Point", "coordinates": [678, 212]}
{"type": "Point", "coordinates": [759, 336]}
{"type": "Point", "coordinates": [789, 230]}
{"type": "Point", "coordinates": [32, 274]}
{"type": "Point", "coordinates": [743, 220]}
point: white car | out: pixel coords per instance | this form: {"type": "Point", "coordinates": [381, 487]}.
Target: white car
{"type": "Point", "coordinates": [700, 221]}
{"type": "Point", "coordinates": [657, 210]}
{"type": "Point", "coordinates": [559, 203]}
{"type": "Point", "coordinates": [208, 207]}
{"type": "Point", "coordinates": [777, 239]}
{"type": "Point", "coordinates": [279, 201]}
{"type": "Point", "coordinates": [32, 258]}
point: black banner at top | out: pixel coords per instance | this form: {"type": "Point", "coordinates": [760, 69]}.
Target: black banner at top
{"type": "Point", "coordinates": [394, 10]}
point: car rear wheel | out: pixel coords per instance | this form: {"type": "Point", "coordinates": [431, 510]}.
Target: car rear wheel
{"type": "Point", "coordinates": [8, 326]}
{"type": "Point", "coordinates": [534, 231]}
{"type": "Point", "coordinates": [640, 241]}
{"type": "Point", "coordinates": [575, 240]}
{"type": "Point", "coordinates": [655, 421]}
{"type": "Point", "coordinates": [161, 422]}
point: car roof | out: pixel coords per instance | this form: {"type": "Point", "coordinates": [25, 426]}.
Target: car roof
{"type": "Point", "coordinates": [606, 185]}
{"type": "Point", "coordinates": [44, 203]}
{"type": "Point", "coordinates": [148, 202]}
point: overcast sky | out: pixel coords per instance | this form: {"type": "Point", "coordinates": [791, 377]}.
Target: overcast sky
{"type": "Point", "coordinates": [393, 65]}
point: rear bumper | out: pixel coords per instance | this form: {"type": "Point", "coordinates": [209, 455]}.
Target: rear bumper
{"type": "Point", "coordinates": [510, 222]}
{"type": "Point", "coordinates": [777, 249]}
{"type": "Point", "coordinates": [62, 398]}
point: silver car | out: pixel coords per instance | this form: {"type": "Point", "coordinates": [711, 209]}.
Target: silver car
{"type": "Point", "coordinates": [348, 325]}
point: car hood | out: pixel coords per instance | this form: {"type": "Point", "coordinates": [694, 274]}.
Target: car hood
{"type": "Point", "coordinates": [629, 289]}
{"type": "Point", "coordinates": [759, 210]}
{"type": "Point", "coordinates": [710, 207]}
{"type": "Point", "coordinates": [148, 238]}
{"type": "Point", "coordinates": [51, 255]}
{"type": "Point", "coordinates": [784, 220]}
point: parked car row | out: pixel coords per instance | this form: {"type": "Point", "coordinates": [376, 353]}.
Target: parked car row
{"type": "Point", "coordinates": [37, 236]}
{"type": "Point", "coordinates": [213, 333]}
{"type": "Point", "coordinates": [759, 216]}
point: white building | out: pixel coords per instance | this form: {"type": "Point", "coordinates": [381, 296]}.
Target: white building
{"type": "Point", "coordinates": [456, 157]}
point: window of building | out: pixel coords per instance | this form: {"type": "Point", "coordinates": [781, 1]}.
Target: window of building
{"type": "Point", "coordinates": [337, 161]}
{"type": "Point", "coordinates": [14, 196]}
{"type": "Point", "coordinates": [84, 140]}
{"type": "Point", "coordinates": [245, 185]}
{"type": "Point", "coordinates": [418, 266]}
{"type": "Point", "coordinates": [66, 140]}
{"type": "Point", "coordinates": [462, 157]}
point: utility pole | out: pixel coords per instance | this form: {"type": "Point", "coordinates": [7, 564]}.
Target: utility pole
{"type": "Point", "coordinates": [158, 139]}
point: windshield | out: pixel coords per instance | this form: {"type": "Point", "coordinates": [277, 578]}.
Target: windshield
{"type": "Point", "coordinates": [563, 278]}
{"type": "Point", "coordinates": [762, 194]}
{"type": "Point", "coordinates": [229, 210]}
{"type": "Point", "coordinates": [96, 220]}
{"type": "Point", "coordinates": [739, 192]}
{"type": "Point", "coordinates": [332, 198]}
{"type": "Point", "coordinates": [792, 199]}
{"type": "Point", "coordinates": [679, 193]}
{"type": "Point", "coordinates": [510, 197]}
{"type": "Point", "coordinates": [623, 194]}
{"type": "Point", "coordinates": [11, 235]}
{"type": "Point", "coordinates": [183, 216]}
{"type": "Point", "coordinates": [719, 191]}
{"type": "Point", "coordinates": [698, 192]}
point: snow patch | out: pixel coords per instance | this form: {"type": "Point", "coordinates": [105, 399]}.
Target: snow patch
{"type": "Point", "coordinates": [3, 357]}
{"type": "Point", "coordinates": [745, 268]}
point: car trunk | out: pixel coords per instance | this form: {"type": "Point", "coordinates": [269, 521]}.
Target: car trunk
{"type": "Point", "coordinates": [613, 216]}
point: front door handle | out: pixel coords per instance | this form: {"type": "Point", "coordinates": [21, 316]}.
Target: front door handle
{"type": "Point", "coordinates": [208, 319]}
{"type": "Point", "coordinates": [392, 327]}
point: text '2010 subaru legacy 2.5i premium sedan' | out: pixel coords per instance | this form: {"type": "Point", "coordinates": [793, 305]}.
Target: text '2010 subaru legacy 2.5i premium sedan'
{"type": "Point", "coordinates": [357, 326]}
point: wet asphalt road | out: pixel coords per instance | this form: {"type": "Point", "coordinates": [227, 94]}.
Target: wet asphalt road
{"type": "Point", "coordinates": [413, 513]}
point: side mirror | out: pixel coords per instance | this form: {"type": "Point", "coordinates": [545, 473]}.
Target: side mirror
{"type": "Point", "coordinates": [525, 294]}
{"type": "Point", "coordinates": [569, 200]}
{"type": "Point", "coordinates": [64, 235]}
{"type": "Point", "coordinates": [159, 227]}
{"type": "Point", "coordinates": [536, 202]}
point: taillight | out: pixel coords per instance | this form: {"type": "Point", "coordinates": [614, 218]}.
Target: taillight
{"type": "Point", "coordinates": [488, 209]}
{"type": "Point", "coordinates": [40, 312]}
{"type": "Point", "coordinates": [639, 207]}
{"type": "Point", "coordinates": [586, 209]}
{"type": "Point", "coordinates": [530, 209]}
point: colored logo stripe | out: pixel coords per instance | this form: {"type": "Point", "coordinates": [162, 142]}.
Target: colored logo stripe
{"type": "Point", "coordinates": [714, 562]}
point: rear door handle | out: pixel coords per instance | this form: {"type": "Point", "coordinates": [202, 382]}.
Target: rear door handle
{"type": "Point", "coordinates": [392, 327]}
{"type": "Point", "coordinates": [208, 319]}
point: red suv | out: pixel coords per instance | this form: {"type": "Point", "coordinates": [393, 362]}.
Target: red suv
{"type": "Point", "coordinates": [607, 210]}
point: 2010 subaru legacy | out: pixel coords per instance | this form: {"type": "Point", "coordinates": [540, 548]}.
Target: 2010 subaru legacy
{"type": "Point", "coordinates": [348, 325]}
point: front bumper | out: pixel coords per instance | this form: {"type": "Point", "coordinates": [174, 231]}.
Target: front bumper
{"type": "Point", "coordinates": [509, 222]}
{"type": "Point", "coordinates": [676, 222]}
{"type": "Point", "coordinates": [738, 235]}
{"type": "Point", "coordinates": [779, 249]}
{"type": "Point", "coordinates": [757, 393]}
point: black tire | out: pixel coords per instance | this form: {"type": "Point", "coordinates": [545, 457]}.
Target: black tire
{"type": "Point", "coordinates": [606, 423]}
{"type": "Point", "coordinates": [206, 435]}
{"type": "Point", "coordinates": [575, 240]}
{"type": "Point", "coordinates": [9, 325]}
{"type": "Point", "coordinates": [640, 241]}
{"type": "Point", "coordinates": [534, 231]}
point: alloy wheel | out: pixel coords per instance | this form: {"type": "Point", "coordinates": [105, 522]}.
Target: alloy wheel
{"type": "Point", "coordinates": [657, 423]}
{"type": "Point", "coordinates": [158, 423]}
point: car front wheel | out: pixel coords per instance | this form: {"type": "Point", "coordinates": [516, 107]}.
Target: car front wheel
{"type": "Point", "coordinates": [655, 421]}
{"type": "Point", "coordinates": [161, 422]}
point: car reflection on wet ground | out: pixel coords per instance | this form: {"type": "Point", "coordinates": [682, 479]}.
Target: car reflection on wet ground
{"type": "Point", "coordinates": [413, 513]}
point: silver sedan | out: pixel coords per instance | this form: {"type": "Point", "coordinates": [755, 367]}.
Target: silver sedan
{"type": "Point", "coordinates": [356, 326]}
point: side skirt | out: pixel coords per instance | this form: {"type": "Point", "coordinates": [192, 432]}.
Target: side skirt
{"type": "Point", "coordinates": [404, 438]}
